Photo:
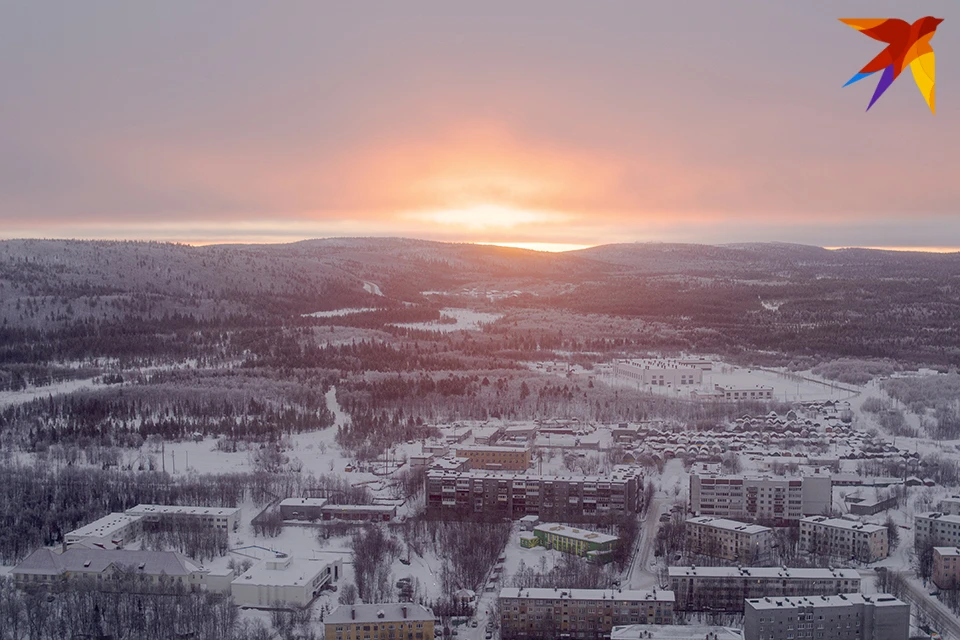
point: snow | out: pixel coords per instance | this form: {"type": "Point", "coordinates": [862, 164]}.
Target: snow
{"type": "Point", "coordinates": [335, 313]}
{"type": "Point", "coordinates": [466, 320]}
{"type": "Point", "coordinates": [370, 287]}
{"type": "Point", "coordinates": [9, 398]}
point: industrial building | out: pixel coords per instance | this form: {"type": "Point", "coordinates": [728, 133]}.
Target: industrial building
{"type": "Point", "coordinates": [760, 497]}
{"type": "Point", "coordinates": [109, 532]}
{"type": "Point", "coordinates": [588, 614]}
{"type": "Point", "coordinates": [496, 458]}
{"type": "Point", "coordinates": [842, 538]}
{"type": "Point", "coordinates": [224, 518]}
{"type": "Point", "coordinates": [661, 373]}
{"type": "Point", "coordinates": [842, 617]}
{"type": "Point", "coordinates": [937, 528]}
{"type": "Point", "coordinates": [596, 547]}
{"type": "Point", "coordinates": [570, 498]}
{"type": "Point", "coordinates": [387, 621]}
{"type": "Point", "coordinates": [729, 539]}
{"type": "Point", "coordinates": [285, 581]}
{"type": "Point", "coordinates": [725, 588]}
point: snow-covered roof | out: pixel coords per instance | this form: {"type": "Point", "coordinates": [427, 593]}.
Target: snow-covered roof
{"type": "Point", "coordinates": [303, 502]}
{"type": "Point", "coordinates": [947, 551]}
{"type": "Point", "coordinates": [674, 632]}
{"type": "Point", "coordinates": [391, 612]}
{"type": "Point", "coordinates": [155, 509]}
{"type": "Point", "coordinates": [729, 525]}
{"type": "Point", "coordinates": [84, 560]}
{"type": "Point", "coordinates": [843, 523]}
{"type": "Point", "coordinates": [587, 594]}
{"type": "Point", "coordinates": [105, 527]}
{"type": "Point", "coordinates": [842, 600]}
{"type": "Point", "coordinates": [578, 534]}
{"type": "Point", "coordinates": [763, 572]}
{"type": "Point", "coordinates": [281, 572]}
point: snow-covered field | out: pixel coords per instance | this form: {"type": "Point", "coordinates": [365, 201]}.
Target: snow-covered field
{"type": "Point", "coordinates": [466, 320]}
{"type": "Point", "coordinates": [336, 313]}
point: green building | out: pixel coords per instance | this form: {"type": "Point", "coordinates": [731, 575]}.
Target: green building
{"type": "Point", "coordinates": [596, 547]}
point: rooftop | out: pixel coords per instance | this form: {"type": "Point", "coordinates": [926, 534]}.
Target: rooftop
{"type": "Point", "coordinates": [937, 515]}
{"type": "Point", "coordinates": [588, 594]}
{"type": "Point", "coordinates": [578, 534]}
{"type": "Point", "coordinates": [729, 525]}
{"type": "Point", "coordinates": [303, 502]}
{"type": "Point", "coordinates": [105, 526]}
{"type": "Point", "coordinates": [493, 448]}
{"type": "Point", "coordinates": [674, 632]}
{"type": "Point", "coordinates": [85, 560]}
{"type": "Point", "coordinates": [763, 572]}
{"type": "Point", "coordinates": [616, 476]}
{"type": "Point", "coordinates": [947, 551]}
{"type": "Point", "coordinates": [152, 509]}
{"type": "Point", "coordinates": [360, 508]}
{"type": "Point", "coordinates": [843, 523]}
{"type": "Point", "coordinates": [392, 611]}
{"type": "Point", "coordinates": [842, 600]}
{"type": "Point", "coordinates": [285, 571]}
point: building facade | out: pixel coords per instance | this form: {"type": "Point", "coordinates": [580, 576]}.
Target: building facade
{"type": "Point", "coordinates": [285, 581]}
{"type": "Point", "coordinates": [388, 621]}
{"type": "Point", "coordinates": [950, 506]}
{"type": "Point", "coordinates": [842, 617]}
{"type": "Point", "coordinates": [589, 614]}
{"type": "Point", "coordinates": [725, 588]}
{"type": "Point", "coordinates": [661, 373]}
{"type": "Point", "coordinates": [842, 538]}
{"type": "Point", "coordinates": [729, 539]}
{"type": "Point", "coordinates": [496, 458]}
{"type": "Point", "coordinates": [760, 497]}
{"type": "Point", "coordinates": [946, 567]}
{"type": "Point", "coordinates": [224, 518]}
{"type": "Point", "coordinates": [514, 495]}
{"type": "Point", "coordinates": [937, 528]}
{"type": "Point", "coordinates": [596, 547]}
{"type": "Point", "coordinates": [109, 532]}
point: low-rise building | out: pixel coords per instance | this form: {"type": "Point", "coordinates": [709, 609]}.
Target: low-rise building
{"type": "Point", "coordinates": [589, 614]}
{"type": "Point", "coordinates": [365, 512]}
{"type": "Point", "coordinates": [842, 617]}
{"type": "Point", "coordinates": [496, 458]}
{"type": "Point", "coordinates": [388, 621]}
{"type": "Point", "coordinates": [734, 393]}
{"type": "Point", "coordinates": [283, 581]}
{"type": "Point", "coordinates": [659, 372]}
{"type": "Point", "coordinates": [302, 508]}
{"type": "Point", "coordinates": [160, 568]}
{"type": "Point", "coordinates": [596, 547]}
{"type": "Point", "coordinates": [224, 518]}
{"type": "Point", "coordinates": [730, 539]}
{"type": "Point", "coordinates": [109, 532]}
{"type": "Point", "coordinates": [760, 497]}
{"type": "Point", "coordinates": [946, 567]}
{"type": "Point", "coordinates": [937, 529]}
{"type": "Point", "coordinates": [725, 588]}
{"type": "Point", "coordinates": [842, 538]}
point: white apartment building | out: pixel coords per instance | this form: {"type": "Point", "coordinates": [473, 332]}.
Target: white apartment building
{"type": "Point", "coordinates": [841, 617]}
{"type": "Point", "coordinates": [950, 506]}
{"type": "Point", "coordinates": [937, 528]}
{"type": "Point", "coordinates": [842, 538]}
{"type": "Point", "coordinates": [225, 518]}
{"type": "Point", "coordinates": [760, 497]}
{"type": "Point", "coordinates": [729, 539]}
{"type": "Point", "coordinates": [109, 532]}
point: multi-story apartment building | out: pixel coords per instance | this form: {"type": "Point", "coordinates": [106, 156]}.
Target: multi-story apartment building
{"type": "Point", "coordinates": [387, 621]}
{"type": "Point", "coordinates": [729, 539]}
{"type": "Point", "coordinates": [496, 458]}
{"type": "Point", "coordinates": [514, 495]}
{"type": "Point", "coordinates": [946, 567]}
{"type": "Point", "coordinates": [950, 506]}
{"type": "Point", "coordinates": [587, 614]}
{"type": "Point", "coordinates": [842, 538]}
{"type": "Point", "coordinates": [725, 588]}
{"type": "Point", "coordinates": [661, 373]}
{"type": "Point", "coordinates": [841, 617]}
{"type": "Point", "coordinates": [761, 497]}
{"type": "Point", "coordinates": [225, 518]}
{"type": "Point", "coordinates": [596, 547]}
{"type": "Point", "coordinates": [936, 528]}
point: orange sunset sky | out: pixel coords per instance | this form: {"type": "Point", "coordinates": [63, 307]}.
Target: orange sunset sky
{"type": "Point", "coordinates": [548, 124]}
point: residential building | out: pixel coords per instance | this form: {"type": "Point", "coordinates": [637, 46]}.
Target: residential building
{"type": "Point", "coordinates": [674, 632]}
{"type": "Point", "coordinates": [388, 621]}
{"type": "Point", "coordinates": [950, 506]}
{"type": "Point", "coordinates": [109, 532]}
{"type": "Point", "coordinates": [842, 538]}
{"type": "Point", "coordinates": [937, 529]}
{"type": "Point", "coordinates": [760, 497]}
{"type": "Point", "coordinates": [285, 581]}
{"type": "Point", "coordinates": [730, 539]}
{"type": "Point", "coordinates": [588, 614]}
{"type": "Point", "coordinates": [596, 547]}
{"type": "Point", "coordinates": [660, 373]}
{"type": "Point", "coordinates": [224, 518]}
{"type": "Point", "coordinates": [497, 458]}
{"type": "Point", "coordinates": [725, 588]}
{"type": "Point", "coordinates": [161, 568]}
{"type": "Point", "coordinates": [946, 567]}
{"type": "Point", "coordinates": [569, 498]}
{"type": "Point", "coordinates": [842, 617]}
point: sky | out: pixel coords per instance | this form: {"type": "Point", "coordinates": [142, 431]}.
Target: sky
{"type": "Point", "coordinates": [543, 123]}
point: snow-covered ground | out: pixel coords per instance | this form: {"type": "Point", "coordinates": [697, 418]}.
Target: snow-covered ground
{"type": "Point", "coordinates": [466, 320]}
{"type": "Point", "coordinates": [8, 398]}
{"type": "Point", "coordinates": [336, 313]}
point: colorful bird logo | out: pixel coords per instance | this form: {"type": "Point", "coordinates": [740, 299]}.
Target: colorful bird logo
{"type": "Point", "coordinates": [907, 44]}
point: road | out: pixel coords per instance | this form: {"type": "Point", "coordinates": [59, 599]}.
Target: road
{"type": "Point", "coordinates": [639, 575]}
{"type": "Point", "coordinates": [937, 614]}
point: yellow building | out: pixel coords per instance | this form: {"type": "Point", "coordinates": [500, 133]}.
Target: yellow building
{"type": "Point", "coordinates": [506, 458]}
{"type": "Point", "coordinates": [387, 621]}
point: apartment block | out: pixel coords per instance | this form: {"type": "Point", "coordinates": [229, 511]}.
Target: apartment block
{"type": "Point", "coordinates": [588, 614]}
{"type": "Point", "coordinates": [496, 458]}
{"type": "Point", "coordinates": [725, 588]}
{"type": "Point", "coordinates": [842, 617]}
{"type": "Point", "coordinates": [514, 495]}
{"type": "Point", "coordinates": [950, 506]}
{"type": "Point", "coordinates": [842, 538]}
{"type": "Point", "coordinates": [937, 528]}
{"type": "Point", "coordinates": [387, 621]}
{"type": "Point", "coordinates": [946, 567]}
{"type": "Point", "coordinates": [760, 497]}
{"type": "Point", "coordinates": [729, 539]}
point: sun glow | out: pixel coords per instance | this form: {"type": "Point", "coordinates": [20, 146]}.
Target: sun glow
{"type": "Point", "coordinates": [549, 247]}
{"type": "Point", "coordinates": [488, 216]}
